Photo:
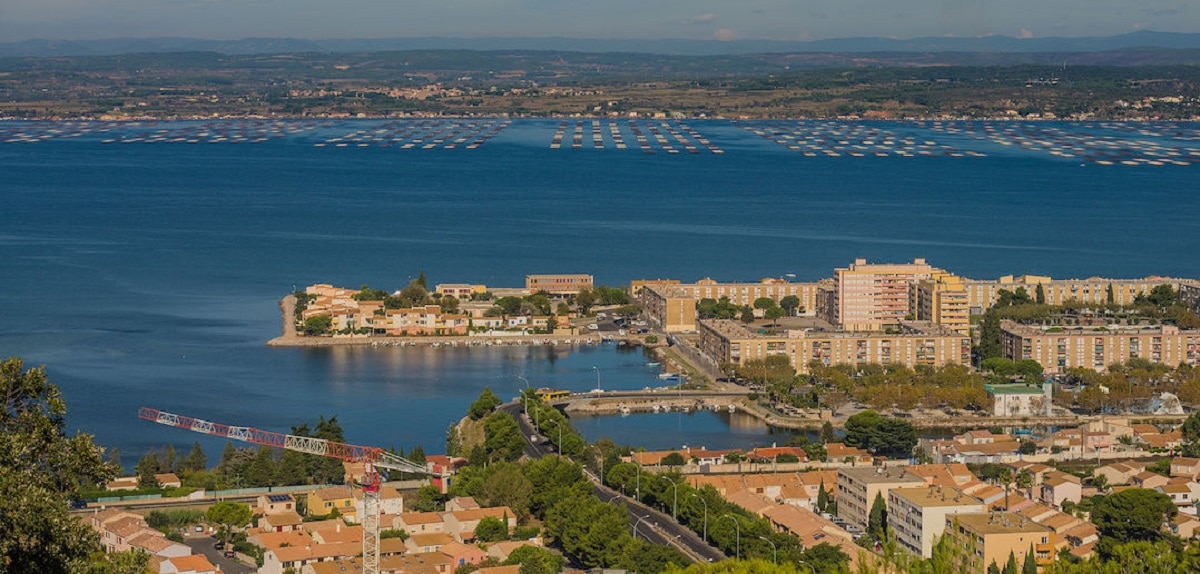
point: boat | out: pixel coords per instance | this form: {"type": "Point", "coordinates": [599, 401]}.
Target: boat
{"type": "Point", "coordinates": [653, 364]}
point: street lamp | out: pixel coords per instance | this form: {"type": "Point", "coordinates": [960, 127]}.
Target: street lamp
{"type": "Point", "coordinates": [599, 455]}
{"type": "Point", "coordinates": [597, 369]}
{"type": "Point", "coordinates": [705, 515]}
{"type": "Point", "coordinates": [774, 551]}
{"type": "Point", "coordinates": [737, 525]}
{"type": "Point", "coordinates": [639, 521]}
{"type": "Point", "coordinates": [810, 566]}
{"type": "Point", "coordinates": [675, 500]}
{"type": "Point", "coordinates": [637, 492]}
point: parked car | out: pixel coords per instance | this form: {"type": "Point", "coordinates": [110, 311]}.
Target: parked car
{"type": "Point", "coordinates": [199, 528]}
{"type": "Point", "coordinates": [219, 545]}
{"type": "Point", "coordinates": [230, 553]}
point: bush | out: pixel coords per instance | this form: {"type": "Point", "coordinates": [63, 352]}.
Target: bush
{"type": "Point", "coordinates": [651, 339]}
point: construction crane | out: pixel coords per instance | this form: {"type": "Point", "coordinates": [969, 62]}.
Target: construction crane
{"type": "Point", "coordinates": [372, 459]}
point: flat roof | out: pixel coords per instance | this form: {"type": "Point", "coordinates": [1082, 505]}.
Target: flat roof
{"type": "Point", "coordinates": [936, 496]}
{"type": "Point", "coordinates": [998, 523]}
{"type": "Point", "coordinates": [880, 474]}
{"type": "Point", "coordinates": [1013, 389]}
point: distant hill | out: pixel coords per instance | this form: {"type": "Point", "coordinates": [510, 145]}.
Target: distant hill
{"type": "Point", "coordinates": [988, 44]}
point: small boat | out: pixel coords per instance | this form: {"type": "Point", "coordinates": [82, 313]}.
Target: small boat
{"type": "Point", "coordinates": [653, 364]}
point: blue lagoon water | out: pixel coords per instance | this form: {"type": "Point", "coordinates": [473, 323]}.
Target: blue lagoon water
{"type": "Point", "coordinates": [148, 273]}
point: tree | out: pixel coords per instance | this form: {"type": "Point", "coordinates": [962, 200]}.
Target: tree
{"type": "Point", "coordinates": [790, 304]}
{"type": "Point", "coordinates": [673, 459]}
{"type": "Point", "coordinates": [881, 435]}
{"type": "Point", "coordinates": [535, 560]}
{"type": "Point", "coordinates": [484, 405]}
{"type": "Point", "coordinates": [774, 313]}
{"type": "Point", "coordinates": [491, 529]}
{"type": "Point", "coordinates": [747, 314]}
{"type": "Point", "coordinates": [229, 514]}
{"type": "Point", "coordinates": [1040, 295]}
{"type": "Point", "coordinates": [764, 303]}
{"type": "Point", "coordinates": [417, 455]}
{"type": "Point", "coordinates": [41, 470]}
{"type": "Point", "coordinates": [1134, 514]}
{"type": "Point", "coordinates": [502, 437]}
{"type": "Point", "coordinates": [135, 561]}
{"type": "Point", "coordinates": [506, 485]}
{"type": "Point", "coordinates": [292, 469]}
{"type": "Point", "coordinates": [427, 499]}
{"type": "Point", "coordinates": [827, 434]}
{"type": "Point", "coordinates": [822, 497]}
{"type": "Point", "coordinates": [1010, 567]}
{"type": "Point", "coordinates": [1027, 447]}
{"type": "Point", "coordinates": [585, 298]}
{"type": "Point", "coordinates": [262, 469]}
{"type": "Point", "coordinates": [877, 521]}
{"type": "Point", "coordinates": [146, 468]}
{"type": "Point", "coordinates": [1030, 566]}
{"type": "Point", "coordinates": [317, 325]}
{"type": "Point", "coordinates": [196, 461]}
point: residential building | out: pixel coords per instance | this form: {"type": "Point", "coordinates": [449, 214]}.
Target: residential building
{"type": "Point", "coordinates": [168, 480]}
{"type": "Point", "coordinates": [461, 523]}
{"type": "Point", "coordinates": [942, 300]}
{"type": "Point", "coordinates": [1189, 293]}
{"type": "Point", "coordinates": [1020, 400]}
{"type": "Point", "coordinates": [992, 536]}
{"type": "Point", "coordinates": [1058, 487]}
{"type": "Point", "coordinates": [668, 308]}
{"type": "Point", "coordinates": [1118, 473]}
{"type": "Point", "coordinates": [917, 516]}
{"type": "Point", "coordinates": [916, 343]}
{"type": "Point", "coordinates": [192, 564]}
{"type": "Point", "coordinates": [324, 501]}
{"type": "Point", "coordinates": [280, 522]}
{"type": "Point", "coordinates": [269, 504]}
{"type": "Point", "coordinates": [558, 284]}
{"type": "Point", "coordinates": [1059, 348]}
{"type": "Point", "coordinates": [858, 487]}
{"type": "Point", "coordinates": [1095, 290]}
{"type": "Point", "coordinates": [462, 291]}
{"type": "Point", "coordinates": [872, 296]}
{"type": "Point", "coordinates": [1186, 467]}
{"type": "Point", "coordinates": [812, 529]}
{"type": "Point", "coordinates": [1180, 494]}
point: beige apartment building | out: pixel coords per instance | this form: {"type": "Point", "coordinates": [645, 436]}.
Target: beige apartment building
{"type": "Point", "coordinates": [942, 300]}
{"type": "Point", "coordinates": [858, 487]}
{"type": "Point", "coordinates": [871, 296]}
{"type": "Point", "coordinates": [917, 516]}
{"type": "Point", "coordinates": [983, 293]}
{"type": "Point", "coordinates": [992, 536]}
{"type": "Point", "coordinates": [1061, 348]}
{"type": "Point", "coordinates": [739, 293]}
{"type": "Point", "coordinates": [916, 343]}
{"type": "Point", "coordinates": [668, 307]}
{"type": "Point", "coordinates": [558, 284]}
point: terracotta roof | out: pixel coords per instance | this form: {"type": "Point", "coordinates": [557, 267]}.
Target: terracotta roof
{"type": "Point", "coordinates": [192, 563]}
{"type": "Point", "coordinates": [152, 542]}
{"type": "Point", "coordinates": [514, 569]}
{"type": "Point", "coordinates": [270, 540]}
{"type": "Point", "coordinates": [497, 512]}
{"type": "Point", "coordinates": [431, 539]}
{"type": "Point", "coordinates": [287, 518]}
{"type": "Point", "coordinates": [755, 503]}
{"type": "Point", "coordinates": [421, 517]}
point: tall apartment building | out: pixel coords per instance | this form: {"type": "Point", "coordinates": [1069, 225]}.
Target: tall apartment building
{"type": "Point", "coordinates": [559, 284]}
{"type": "Point", "coordinates": [916, 343]}
{"type": "Point", "coordinates": [942, 299]}
{"type": "Point", "coordinates": [983, 293]}
{"type": "Point", "coordinates": [1061, 348]}
{"type": "Point", "coordinates": [992, 536]}
{"type": "Point", "coordinates": [917, 516]}
{"type": "Point", "coordinates": [668, 307]}
{"type": "Point", "coordinates": [1189, 293]}
{"type": "Point", "coordinates": [858, 487]}
{"type": "Point", "coordinates": [871, 296]}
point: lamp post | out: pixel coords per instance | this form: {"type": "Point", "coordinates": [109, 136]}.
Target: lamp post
{"type": "Point", "coordinates": [675, 500]}
{"type": "Point", "coordinates": [600, 456]}
{"type": "Point", "coordinates": [774, 550]}
{"type": "Point", "coordinates": [639, 521]}
{"type": "Point", "coordinates": [705, 515]}
{"type": "Point", "coordinates": [597, 369]}
{"type": "Point", "coordinates": [738, 526]}
{"type": "Point", "coordinates": [637, 491]}
{"type": "Point", "coordinates": [810, 566]}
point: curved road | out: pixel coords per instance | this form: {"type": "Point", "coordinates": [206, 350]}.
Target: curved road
{"type": "Point", "coordinates": [646, 522]}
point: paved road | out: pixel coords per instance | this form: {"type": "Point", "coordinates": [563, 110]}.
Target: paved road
{"type": "Point", "coordinates": [203, 544]}
{"type": "Point", "coordinates": [648, 523]}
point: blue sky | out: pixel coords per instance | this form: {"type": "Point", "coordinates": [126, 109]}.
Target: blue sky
{"type": "Point", "coordinates": [646, 19]}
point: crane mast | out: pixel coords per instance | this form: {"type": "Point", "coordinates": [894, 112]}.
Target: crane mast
{"type": "Point", "coordinates": [372, 458]}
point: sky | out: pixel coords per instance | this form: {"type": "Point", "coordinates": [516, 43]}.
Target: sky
{"type": "Point", "coordinates": [795, 20]}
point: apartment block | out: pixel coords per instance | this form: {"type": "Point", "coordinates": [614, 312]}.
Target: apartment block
{"type": "Point", "coordinates": [872, 296]}
{"type": "Point", "coordinates": [669, 308]}
{"type": "Point", "coordinates": [459, 290]}
{"type": "Point", "coordinates": [983, 293]}
{"type": "Point", "coordinates": [942, 300]}
{"type": "Point", "coordinates": [739, 293]}
{"type": "Point", "coordinates": [1061, 348]}
{"type": "Point", "coordinates": [991, 537]}
{"type": "Point", "coordinates": [558, 284]}
{"type": "Point", "coordinates": [917, 516]}
{"type": "Point", "coordinates": [1015, 400]}
{"type": "Point", "coordinates": [916, 343]}
{"type": "Point", "coordinates": [1189, 293]}
{"type": "Point", "coordinates": [858, 487]}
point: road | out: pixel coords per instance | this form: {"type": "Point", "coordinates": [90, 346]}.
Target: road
{"type": "Point", "coordinates": [646, 522]}
{"type": "Point", "coordinates": [203, 544]}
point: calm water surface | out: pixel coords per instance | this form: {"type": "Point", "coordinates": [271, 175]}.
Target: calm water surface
{"type": "Point", "coordinates": [149, 274]}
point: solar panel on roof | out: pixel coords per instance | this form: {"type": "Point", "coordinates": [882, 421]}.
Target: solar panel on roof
{"type": "Point", "coordinates": [278, 497]}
